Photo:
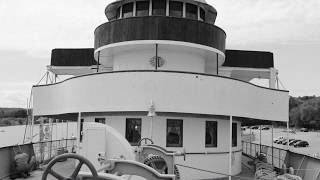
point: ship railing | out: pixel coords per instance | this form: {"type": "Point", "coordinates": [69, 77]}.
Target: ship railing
{"type": "Point", "coordinates": [275, 156]}
{"type": "Point", "coordinates": [45, 150]}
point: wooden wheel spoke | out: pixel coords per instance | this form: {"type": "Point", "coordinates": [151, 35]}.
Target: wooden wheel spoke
{"type": "Point", "coordinates": [56, 175]}
{"type": "Point", "coordinates": [76, 171]}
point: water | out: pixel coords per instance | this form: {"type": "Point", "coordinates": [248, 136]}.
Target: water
{"type": "Point", "coordinates": [13, 135]}
{"type": "Point", "coordinates": [312, 137]}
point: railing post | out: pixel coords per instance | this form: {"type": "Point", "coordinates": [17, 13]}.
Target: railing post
{"type": "Point", "coordinates": [272, 143]}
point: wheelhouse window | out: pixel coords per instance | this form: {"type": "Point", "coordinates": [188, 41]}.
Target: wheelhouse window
{"type": "Point", "coordinates": [202, 15]}
{"type": "Point", "coordinates": [234, 134]}
{"type": "Point", "coordinates": [175, 9]}
{"type": "Point", "coordinates": [127, 10]}
{"type": "Point", "coordinates": [133, 130]}
{"type": "Point", "coordinates": [174, 132]}
{"type": "Point", "coordinates": [118, 13]}
{"type": "Point", "coordinates": [142, 8]}
{"type": "Point", "coordinates": [100, 120]}
{"type": "Point", "coordinates": [159, 7]}
{"type": "Point", "coordinates": [211, 133]}
{"type": "Point", "coordinates": [191, 11]}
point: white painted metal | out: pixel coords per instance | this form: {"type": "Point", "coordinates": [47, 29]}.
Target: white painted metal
{"type": "Point", "coordinates": [78, 132]}
{"type": "Point", "coordinates": [132, 91]}
{"type": "Point", "coordinates": [230, 147]}
{"type": "Point", "coordinates": [193, 142]}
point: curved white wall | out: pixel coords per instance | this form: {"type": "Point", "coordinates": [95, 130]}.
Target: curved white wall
{"type": "Point", "coordinates": [170, 92]}
{"type": "Point", "coordinates": [178, 56]}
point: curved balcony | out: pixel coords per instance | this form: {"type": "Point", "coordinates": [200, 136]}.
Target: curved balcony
{"type": "Point", "coordinates": [178, 92]}
{"type": "Point", "coordinates": [160, 28]}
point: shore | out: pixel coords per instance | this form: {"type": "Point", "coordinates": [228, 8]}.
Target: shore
{"type": "Point", "coordinates": [266, 139]}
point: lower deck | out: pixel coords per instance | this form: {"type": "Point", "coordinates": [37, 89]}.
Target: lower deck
{"type": "Point", "coordinates": [67, 167]}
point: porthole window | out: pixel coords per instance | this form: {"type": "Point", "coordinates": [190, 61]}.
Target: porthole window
{"type": "Point", "coordinates": [191, 11]}
{"type": "Point", "coordinates": [202, 15]}
{"type": "Point", "coordinates": [127, 10]}
{"type": "Point", "coordinates": [159, 7]}
{"type": "Point", "coordinates": [133, 130]}
{"type": "Point", "coordinates": [211, 133]}
{"type": "Point", "coordinates": [174, 132]}
{"type": "Point", "coordinates": [175, 9]}
{"type": "Point", "coordinates": [142, 8]}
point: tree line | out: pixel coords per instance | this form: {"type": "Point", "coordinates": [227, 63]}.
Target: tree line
{"type": "Point", "coordinates": [304, 112]}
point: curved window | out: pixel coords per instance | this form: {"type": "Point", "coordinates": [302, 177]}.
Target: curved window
{"type": "Point", "coordinates": [159, 7]}
{"type": "Point", "coordinates": [118, 13]}
{"type": "Point", "coordinates": [175, 8]}
{"type": "Point", "coordinates": [202, 15]}
{"type": "Point", "coordinates": [127, 10]}
{"type": "Point", "coordinates": [142, 8]}
{"type": "Point", "coordinates": [191, 11]}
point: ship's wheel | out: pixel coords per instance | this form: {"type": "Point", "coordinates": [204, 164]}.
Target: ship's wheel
{"type": "Point", "coordinates": [159, 164]}
{"type": "Point", "coordinates": [145, 140]}
{"type": "Point", "coordinates": [82, 161]}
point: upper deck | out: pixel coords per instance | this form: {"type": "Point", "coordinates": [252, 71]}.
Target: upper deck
{"type": "Point", "coordinates": [171, 91]}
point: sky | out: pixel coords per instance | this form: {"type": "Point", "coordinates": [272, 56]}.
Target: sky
{"type": "Point", "coordinates": [29, 30]}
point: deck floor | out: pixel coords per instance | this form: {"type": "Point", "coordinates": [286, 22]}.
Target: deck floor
{"type": "Point", "coordinates": [67, 167]}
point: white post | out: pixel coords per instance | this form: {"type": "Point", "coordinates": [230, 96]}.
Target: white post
{"type": "Point", "coordinates": [151, 127]}
{"type": "Point", "coordinates": [78, 132]}
{"type": "Point", "coordinates": [150, 8]}
{"type": "Point", "coordinates": [134, 8]}
{"type": "Point", "coordinates": [288, 134]}
{"type": "Point", "coordinates": [184, 10]}
{"type": "Point", "coordinates": [167, 8]}
{"type": "Point", "coordinates": [32, 124]}
{"type": "Point", "coordinates": [230, 148]}
{"type": "Point", "coordinates": [272, 143]}
{"type": "Point", "coordinates": [272, 78]}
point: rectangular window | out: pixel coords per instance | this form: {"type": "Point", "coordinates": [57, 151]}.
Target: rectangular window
{"type": "Point", "coordinates": [202, 15]}
{"type": "Point", "coordinates": [81, 129]}
{"type": "Point", "coordinates": [127, 10]}
{"type": "Point", "coordinates": [142, 8]}
{"type": "Point", "coordinates": [133, 130]}
{"type": "Point", "coordinates": [175, 9]}
{"type": "Point", "coordinates": [191, 11]}
{"type": "Point", "coordinates": [159, 7]}
{"type": "Point", "coordinates": [211, 133]}
{"type": "Point", "coordinates": [174, 132]}
{"type": "Point", "coordinates": [100, 120]}
{"type": "Point", "coordinates": [234, 134]}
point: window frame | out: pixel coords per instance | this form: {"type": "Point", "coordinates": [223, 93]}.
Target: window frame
{"type": "Point", "coordinates": [214, 143]}
{"type": "Point", "coordinates": [194, 14]}
{"type": "Point", "coordinates": [174, 12]}
{"type": "Point", "coordinates": [153, 9]}
{"type": "Point", "coordinates": [180, 144]}
{"type": "Point", "coordinates": [132, 142]}
{"type": "Point", "coordinates": [124, 13]}
{"type": "Point", "coordinates": [142, 10]}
